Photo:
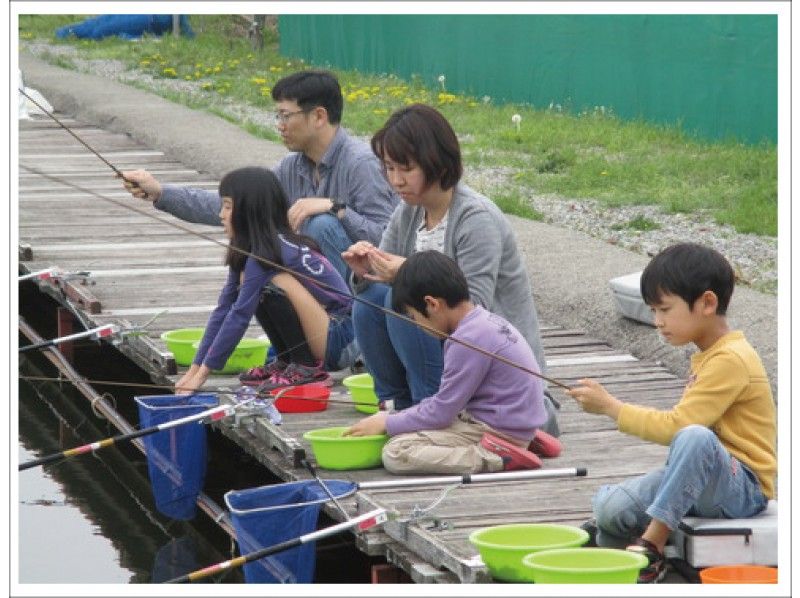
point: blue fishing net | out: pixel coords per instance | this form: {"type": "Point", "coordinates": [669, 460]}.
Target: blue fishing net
{"type": "Point", "coordinates": [269, 515]}
{"type": "Point", "coordinates": [176, 458]}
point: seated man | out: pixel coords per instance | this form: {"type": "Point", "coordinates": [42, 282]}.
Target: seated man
{"type": "Point", "coordinates": [336, 189]}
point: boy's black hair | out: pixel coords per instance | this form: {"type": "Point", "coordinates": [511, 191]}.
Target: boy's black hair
{"type": "Point", "coordinates": [420, 134]}
{"type": "Point", "coordinates": [688, 270]}
{"type": "Point", "coordinates": [310, 89]}
{"type": "Point", "coordinates": [428, 273]}
{"type": "Point", "coordinates": [259, 215]}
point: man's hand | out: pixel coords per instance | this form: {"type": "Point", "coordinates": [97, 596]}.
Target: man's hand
{"type": "Point", "coordinates": [357, 257]}
{"type": "Point", "coordinates": [369, 426]}
{"type": "Point", "coordinates": [142, 185]}
{"type": "Point", "coordinates": [305, 208]}
{"type": "Point", "coordinates": [593, 398]}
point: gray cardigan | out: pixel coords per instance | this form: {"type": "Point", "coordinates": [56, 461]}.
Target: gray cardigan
{"type": "Point", "coordinates": [479, 238]}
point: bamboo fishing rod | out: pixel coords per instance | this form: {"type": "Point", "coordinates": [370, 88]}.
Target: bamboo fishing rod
{"type": "Point", "coordinates": [282, 268]}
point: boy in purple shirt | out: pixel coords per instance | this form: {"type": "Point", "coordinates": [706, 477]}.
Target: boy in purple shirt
{"type": "Point", "coordinates": [486, 412]}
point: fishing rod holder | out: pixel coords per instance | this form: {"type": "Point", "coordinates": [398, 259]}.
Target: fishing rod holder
{"type": "Point", "coordinates": [249, 406]}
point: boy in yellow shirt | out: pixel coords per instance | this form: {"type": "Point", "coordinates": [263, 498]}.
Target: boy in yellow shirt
{"type": "Point", "coordinates": [722, 436]}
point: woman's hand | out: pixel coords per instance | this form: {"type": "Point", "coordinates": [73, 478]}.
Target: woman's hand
{"type": "Point", "coordinates": [357, 257]}
{"type": "Point", "coordinates": [383, 266]}
{"type": "Point", "coordinates": [593, 398]}
{"type": "Point", "coordinates": [369, 426]}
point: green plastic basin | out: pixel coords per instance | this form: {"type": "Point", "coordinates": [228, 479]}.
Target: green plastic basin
{"type": "Point", "coordinates": [180, 342]}
{"type": "Point", "coordinates": [362, 390]}
{"type": "Point", "coordinates": [585, 565]}
{"type": "Point", "coordinates": [249, 353]}
{"type": "Point", "coordinates": [502, 547]}
{"type": "Point", "coordinates": [334, 451]}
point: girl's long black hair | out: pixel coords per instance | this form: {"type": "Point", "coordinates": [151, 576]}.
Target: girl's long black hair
{"type": "Point", "coordinates": [259, 216]}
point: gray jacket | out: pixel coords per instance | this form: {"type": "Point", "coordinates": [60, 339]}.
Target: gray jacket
{"type": "Point", "coordinates": [479, 238]}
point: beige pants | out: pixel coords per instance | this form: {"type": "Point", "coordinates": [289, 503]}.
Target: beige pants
{"type": "Point", "coordinates": [455, 449]}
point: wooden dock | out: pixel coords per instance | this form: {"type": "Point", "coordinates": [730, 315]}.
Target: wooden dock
{"type": "Point", "coordinates": [139, 267]}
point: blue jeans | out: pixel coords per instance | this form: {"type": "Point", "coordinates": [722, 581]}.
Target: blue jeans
{"type": "Point", "coordinates": [341, 350]}
{"type": "Point", "coordinates": [328, 232]}
{"type": "Point", "coordinates": [405, 362]}
{"type": "Point", "coordinates": [700, 479]}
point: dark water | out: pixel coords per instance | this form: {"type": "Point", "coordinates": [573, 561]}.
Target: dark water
{"type": "Point", "coordinates": [92, 518]}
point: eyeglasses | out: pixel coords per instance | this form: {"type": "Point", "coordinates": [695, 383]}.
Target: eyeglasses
{"type": "Point", "coordinates": [281, 118]}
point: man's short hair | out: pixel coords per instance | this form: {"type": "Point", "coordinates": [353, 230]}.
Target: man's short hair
{"type": "Point", "coordinates": [420, 134]}
{"type": "Point", "coordinates": [688, 270]}
{"type": "Point", "coordinates": [310, 89]}
{"type": "Point", "coordinates": [428, 273]}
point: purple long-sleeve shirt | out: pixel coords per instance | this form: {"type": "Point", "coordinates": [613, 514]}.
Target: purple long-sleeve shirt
{"type": "Point", "coordinates": [239, 299]}
{"type": "Point", "coordinates": [502, 396]}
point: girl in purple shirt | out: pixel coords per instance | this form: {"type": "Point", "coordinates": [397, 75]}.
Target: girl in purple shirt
{"type": "Point", "coordinates": [305, 313]}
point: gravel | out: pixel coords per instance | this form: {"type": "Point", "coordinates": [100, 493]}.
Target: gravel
{"type": "Point", "coordinates": [754, 257]}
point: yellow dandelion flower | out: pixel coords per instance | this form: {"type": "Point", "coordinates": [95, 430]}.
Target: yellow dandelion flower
{"type": "Point", "coordinates": [217, 69]}
{"type": "Point", "coordinates": [276, 69]}
{"type": "Point", "coordinates": [258, 81]}
{"type": "Point", "coordinates": [380, 111]}
{"type": "Point", "coordinates": [266, 91]}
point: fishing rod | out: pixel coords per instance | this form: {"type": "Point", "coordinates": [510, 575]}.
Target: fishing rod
{"type": "Point", "coordinates": [310, 279]}
{"type": "Point", "coordinates": [71, 132]}
{"type": "Point", "coordinates": [362, 522]}
{"type": "Point", "coordinates": [95, 333]}
{"type": "Point", "coordinates": [211, 415]}
{"type": "Point", "coordinates": [313, 472]}
{"type": "Point", "coordinates": [474, 478]}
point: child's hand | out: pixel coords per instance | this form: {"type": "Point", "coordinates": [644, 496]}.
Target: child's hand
{"type": "Point", "coordinates": [369, 426]}
{"type": "Point", "coordinates": [593, 398]}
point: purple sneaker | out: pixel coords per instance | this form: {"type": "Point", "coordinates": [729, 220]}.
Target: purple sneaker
{"type": "Point", "coordinates": [258, 375]}
{"type": "Point", "coordinates": [297, 375]}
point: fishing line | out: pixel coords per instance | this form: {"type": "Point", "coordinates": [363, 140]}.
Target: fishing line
{"type": "Point", "coordinates": [261, 394]}
{"type": "Point", "coordinates": [310, 279]}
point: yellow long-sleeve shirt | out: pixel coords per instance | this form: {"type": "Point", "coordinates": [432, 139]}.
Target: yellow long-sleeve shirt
{"type": "Point", "coordinates": [729, 393]}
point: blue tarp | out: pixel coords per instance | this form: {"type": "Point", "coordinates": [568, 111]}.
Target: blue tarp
{"type": "Point", "coordinates": [124, 26]}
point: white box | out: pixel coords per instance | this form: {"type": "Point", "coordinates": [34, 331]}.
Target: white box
{"type": "Point", "coordinates": [711, 542]}
{"type": "Point", "coordinates": [628, 298]}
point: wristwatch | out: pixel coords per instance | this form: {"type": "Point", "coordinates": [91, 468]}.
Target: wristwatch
{"type": "Point", "coordinates": [337, 207]}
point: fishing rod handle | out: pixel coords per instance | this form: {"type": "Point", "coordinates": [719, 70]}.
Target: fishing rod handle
{"type": "Point", "coordinates": [41, 461]}
{"type": "Point", "coordinates": [476, 478]}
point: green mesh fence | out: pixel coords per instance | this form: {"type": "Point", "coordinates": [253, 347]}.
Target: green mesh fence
{"type": "Point", "coordinates": [715, 75]}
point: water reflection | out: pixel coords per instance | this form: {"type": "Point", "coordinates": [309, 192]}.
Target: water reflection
{"type": "Point", "coordinates": [91, 519]}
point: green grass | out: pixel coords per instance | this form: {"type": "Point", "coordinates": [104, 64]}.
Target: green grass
{"type": "Point", "coordinates": [592, 155]}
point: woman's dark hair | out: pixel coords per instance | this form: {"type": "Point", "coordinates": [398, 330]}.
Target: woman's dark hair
{"type": "Point", "coordinates": [310, 89]}
{"type": "Point", "coordinates": [259, 216]}
{"type": "Point", "coordinates": [420, 134]}
{"type": "Point", "coordinates": [428, 273]}
{"type": "Point", "coordinates": [688, 270]}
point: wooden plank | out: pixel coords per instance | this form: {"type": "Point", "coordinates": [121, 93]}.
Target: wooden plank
{"type": "Point", "coordinates": [141, 267]}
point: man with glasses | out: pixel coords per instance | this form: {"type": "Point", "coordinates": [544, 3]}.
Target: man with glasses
{"type": "Point", "coordinates": [334, 183]}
